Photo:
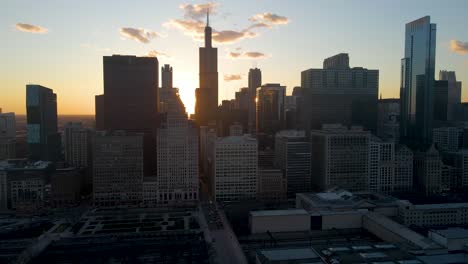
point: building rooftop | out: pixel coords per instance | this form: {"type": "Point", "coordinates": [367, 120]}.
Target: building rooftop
{"type": "Point", "coordinates": [279, 212]}
{"type": "Point", "coordinates": [298, 255]}
{"type": "Point", "coordinates": [452, 233]}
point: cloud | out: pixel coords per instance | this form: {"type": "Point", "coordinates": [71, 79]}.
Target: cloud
{"type": "Point", "coordinates": [138, 34]}
{"type": "Point", "coordinates": [259, 25]}
{"type": "Point", "coordinates": [270, 18]}
{"type": "Point", "coordinates": [459, 46]}
{"type": "Point", "coordinates": [198, 11]}
{"type": "Point", "coordinates": [155, 53]}
{"type": "Point", "coordinates": [231, 36]}
{"type": "Point", "coordinates": [232, 77]}
{"type": "Point", "coordinates": [247, 55]}
{"type": "Point", "coordinates": [30, 28]}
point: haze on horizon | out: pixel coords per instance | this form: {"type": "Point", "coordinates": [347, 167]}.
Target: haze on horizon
{"type": "Point", "coordinates": [60, 45]}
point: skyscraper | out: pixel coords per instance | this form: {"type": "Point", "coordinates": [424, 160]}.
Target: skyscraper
{"type": "Point", "coordinates": [339, 94]}
{"type": "Point", "coordinates": [130, 99]}
{"type": "Point", "coordinates": [7, 135]}
{"type": "Point", "coordinates": [417, 82]}
{"type": "Point", "coordinates": [207, 94]}
{"type": "Point", "coordinates": [454, 93]}
{"type": "Point", "coordinates": [270, 108]}
{"type": "Point", "coordinates": [177, 150]}
{"type": "Point", "coordinates": [255, 81]}
{"type": "Point", "coordinates": [43, 138]}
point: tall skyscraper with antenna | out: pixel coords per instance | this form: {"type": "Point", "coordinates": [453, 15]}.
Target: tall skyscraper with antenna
{"type": "Point", "coordinates": [207, 94]}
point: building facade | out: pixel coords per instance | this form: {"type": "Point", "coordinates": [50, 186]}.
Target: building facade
{"type": "Point", "coordinates": [43, 137]}
{"type": "Point", "coordinates": [293, 157]}
{"type": "Point", "coordinates": [339, 94]}
{"type": "Point", "coordinates": [117, 168]}
{"type": "Point", "coordinates": [234, 168]}
{"type": "Point", "coordinates": [255, 81]}
{"type": "Point", "coordinates": [77, 145]}
{"type": "Point", "coordinates": [417, 81]}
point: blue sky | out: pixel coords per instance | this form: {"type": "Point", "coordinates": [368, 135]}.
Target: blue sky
{"type": "Point", "coordinates": [68, 57]}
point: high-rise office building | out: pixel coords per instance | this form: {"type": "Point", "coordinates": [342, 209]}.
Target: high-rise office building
{"type": "Point", "coordinates": [255, 81]}
{"type": "Point", "coordinates": [292, 156]}
{"type": "Point", "coordinates": [340, 157]}
{"type": "Point", "coordinates": [177, 153]}
{"type": "Point", "coordinates": [43, 137]}
{"type": "Point", "coordinates": [270, 108]}
{"type": "Point", "coordinates": [130, 99]}
{"type": "Point", "coordinates": [118, 168]}
{"type": "Point", "coordinates": [207, 94]}
{"type": "Point", "coordinates": [417, 82]}
{"type": "Point", "coordinates": [166, 77]}
{"type": "Point", "coordinates": [454, 94]}
{"type": "Point", "coordinates": [404, 158]}
{"type": "Point", "coordinates": [339, 94]}
{"type": "Point", "coordinates": [234, 168]}
{"type": "Point", "coordinates": [428, 170]}
{"type": "Point", "coordinates": [388, 119]}
{"type": "Point", "coordinates": [77, 145]}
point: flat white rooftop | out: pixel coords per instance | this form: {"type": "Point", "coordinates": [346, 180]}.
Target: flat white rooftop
{"type": "Point", "coordinates": [452, 232]}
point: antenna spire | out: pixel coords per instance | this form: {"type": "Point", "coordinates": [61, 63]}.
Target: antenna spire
{"type": "Point", "coordinates": [208, 17]}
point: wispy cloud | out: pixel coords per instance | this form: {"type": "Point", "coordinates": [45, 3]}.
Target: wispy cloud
{"type": "Point", "coordinates": [459, 46]}
{"type": "Point", "coordinates": [247, 55]}
{"type": "Point", "coordinates": [198, 11]}
{"type": "Point", "coordinates": [138, 34]}
{"type": "Point", "coordinates": [193, 24]}
{"type": "Point", "coordinates": [31, 28]}
{"type": "Point", "coordinates": [270, 18]}
{"type": "Point", "coordinates": [232, 77]}
{"type": "Point", "coordinates": [155, 53]}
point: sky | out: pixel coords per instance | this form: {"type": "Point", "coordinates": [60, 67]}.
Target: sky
{"type": "Point", "coordinates": [60, 44]}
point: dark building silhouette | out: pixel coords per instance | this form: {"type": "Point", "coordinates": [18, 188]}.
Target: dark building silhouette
{"type": "Point", "coordinates": [43, 138]}
{"type": "Point", "coordinates": [440, 102]}
{"type": "Point", "coordinates": [255, 81]}
{"type": "Point", "coordinates": [417, 82]}
{"type": "Point", "coordinates": [270, 112]}
{"type": "Point", "coordinates": [207, 94]}
{"type": "Point", "coordinates": [339, 94]}
{"type": "Point", "coordinates": [454, 94]}
{"type": "Point", "coordinates": [130, 99]}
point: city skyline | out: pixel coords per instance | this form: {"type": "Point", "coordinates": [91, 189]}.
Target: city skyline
{"type": "Point", "coordinates": [67, 57]}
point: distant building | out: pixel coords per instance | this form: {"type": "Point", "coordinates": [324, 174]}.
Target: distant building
{"type": "Point", "coordinates": [340, 157]}
{"type": "Point", "coordinates": [270, 112]}
{"type": "Point", "coordinates": [293, 157]}
{"type": "Point", "coordinates": [7, 148]}
{"type": "Point", "coordinates": [388, 120]}
{"type": "Point", "coordinates": [66, 186]}
{"type": "Point", "coordinates": [234, 168]}
{"type": "Point", "coordinates": [117, 168]}
{"type": "Point", "coordinates": [339, 94]}
{"type": "Point", "coordinates": [417, 82]}
{"type": "Point", "coordinates": [431, 215]}
{"type": "Point", "coordinates": [255, 81]}
{"type": "Point", "coordinates": [43, 137]}
{"type": "Point", "coordinates": [428, 170]}
{"type": "Point", "coordinates": [7, 125]}
{"type": "Point", "coordinates": [454, 94]}
{"type": "Point", "coordinates": [77, 145]}
{"type": "Point", "coordinates": [207, 93]}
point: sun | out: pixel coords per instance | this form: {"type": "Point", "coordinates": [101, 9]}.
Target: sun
{"type": "Point", "coordinates": [187, 82]}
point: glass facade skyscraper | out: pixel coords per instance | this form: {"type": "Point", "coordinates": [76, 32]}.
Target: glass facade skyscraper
{"type": "Point", "coordinates": [417, 82]}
